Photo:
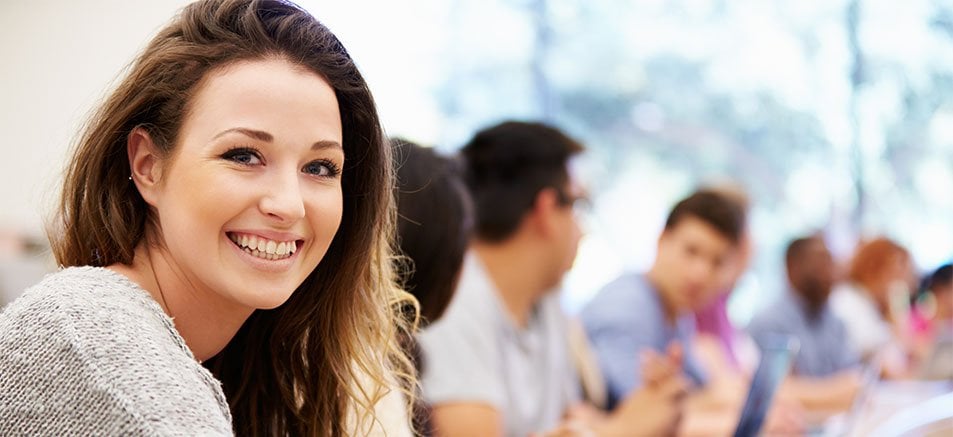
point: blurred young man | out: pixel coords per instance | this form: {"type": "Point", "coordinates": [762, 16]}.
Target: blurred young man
{"type": "Point", "coordinates": [639, 312]}
{"type": "Point", "coordinates": [498, 362]}
{"type": "Point", "coordinates": [825, 369]}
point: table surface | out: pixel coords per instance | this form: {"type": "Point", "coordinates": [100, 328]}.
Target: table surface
{"type": "Point", "coordinates": [898, 408]}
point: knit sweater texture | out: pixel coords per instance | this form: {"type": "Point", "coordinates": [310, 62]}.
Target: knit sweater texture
{"type": "Point", "coordinates": [88, 352]}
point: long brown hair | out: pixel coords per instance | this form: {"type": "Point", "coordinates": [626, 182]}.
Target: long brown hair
{"type": "Point", "coordinates": [296, 369]}
{"type": "Point", "coordinates": [873, 256]}
{"type": "Point", "coordinates": [871, 259]}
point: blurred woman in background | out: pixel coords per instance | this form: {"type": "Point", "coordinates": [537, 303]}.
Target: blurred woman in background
{"type": "Point", "coordinates": [874, 303]}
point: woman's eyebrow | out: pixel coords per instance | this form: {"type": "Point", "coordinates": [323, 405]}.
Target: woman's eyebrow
{"type": "Point", "coordinates": [253, 133]}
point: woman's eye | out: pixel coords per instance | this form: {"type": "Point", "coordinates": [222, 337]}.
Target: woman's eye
{"type": "Point", "coordinates": [243, 156]}
{"type": "Point", "coordinates": [321, 168]}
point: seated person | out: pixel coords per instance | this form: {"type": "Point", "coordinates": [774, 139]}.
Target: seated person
{"type": "Point", "coordinates": [825, 371]}
{"type": "Point", "coordinates": [434, 223]}
{"type": "Point", "coordinates": [874, 304]}
{"type": "Point", "coordinates": [724, 350]}
{"type": "Point", "coordinates": [637, 313]}
{"type": "Point", "coordinates": [933, 320]}
{"type": "Point", "coordinates": [498, 361]}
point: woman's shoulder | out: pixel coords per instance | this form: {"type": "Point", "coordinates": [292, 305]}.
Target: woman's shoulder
{"type": "Point", "coordinates": [79, 294]}
{"type": "Point", "coordinates": [85, 302]}
{"type": "Point", "coordinates": [87, 309]}
{"type": "Point", "coordinates": [76, 310]}
{"type": "Point", "coordinates": [87, 339]}
{"type": "Point", "coordinates": [85, 286]}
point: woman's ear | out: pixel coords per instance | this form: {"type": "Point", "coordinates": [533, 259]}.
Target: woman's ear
{"type": "Point", "coordinates": [144, 163]}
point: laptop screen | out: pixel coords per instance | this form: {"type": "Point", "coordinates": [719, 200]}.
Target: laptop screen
{"type": "Point", "coordinates": [777, 353]}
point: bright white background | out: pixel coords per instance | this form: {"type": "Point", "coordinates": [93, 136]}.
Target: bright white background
{"type": "Point", "coordinates": [61, 57]}
{"type": "Point", "coordinates": [438, 73]}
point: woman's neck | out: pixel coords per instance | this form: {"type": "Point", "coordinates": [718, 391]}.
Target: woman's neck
{"type": "Point", "coordinates": [205, 320]}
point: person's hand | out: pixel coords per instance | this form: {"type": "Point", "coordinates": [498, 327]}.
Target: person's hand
{"type": "Point", "coordinates": [657, 369]}
{"type": "Point", "coordinates": [655, 409]}
{"type": "Point", "coordinates": [785, 418]}
{"type": "Point", "coordinates": [580, 421]}
{"type": "Point", "coordinates": [584, 413]}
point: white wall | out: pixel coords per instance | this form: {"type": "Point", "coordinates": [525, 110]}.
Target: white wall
{"type": "Point", "coordinates": [58, 58]}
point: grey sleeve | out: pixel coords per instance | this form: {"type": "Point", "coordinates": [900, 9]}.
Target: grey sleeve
{"type": "Point", "coordinates": [83, 368]}
{"type": "Point", "coordinates": [47, 386]}
{"type": "Point", "coordinates": [461, 361]}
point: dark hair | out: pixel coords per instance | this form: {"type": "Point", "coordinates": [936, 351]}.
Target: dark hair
{"type": "Point", "coordinates": [434, 222]}
{"type": "Point", "coordinates": [295, 369]}
{"type": "Point", "coordinates": [942, 275]}
{"type": "Point", "coordinates": [796, 248]}
{"type": "Point", "coordinates": [724, 214]}
{"type": "Point", "coordinates": [507, 166]}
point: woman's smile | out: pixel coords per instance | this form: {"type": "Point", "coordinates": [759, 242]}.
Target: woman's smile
{"type": "Point", "coordinates": [263, 247]}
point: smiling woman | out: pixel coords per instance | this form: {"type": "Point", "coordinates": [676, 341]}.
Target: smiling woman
{"type": "Point", "coordinates": [274, 184]}
{"type": "Point", "coordinates": [228, 205]}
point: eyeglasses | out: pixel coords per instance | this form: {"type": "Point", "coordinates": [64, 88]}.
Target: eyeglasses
{"type": "Point", "coordinates": [579, 202]}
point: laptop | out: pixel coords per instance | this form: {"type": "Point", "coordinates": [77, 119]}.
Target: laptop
{"type": "Point", "coordinates": [847, 424]}
{"type": "Point", "coordinates": [869, 378]}
{"type": "Point", "coordinates": [777, 354]}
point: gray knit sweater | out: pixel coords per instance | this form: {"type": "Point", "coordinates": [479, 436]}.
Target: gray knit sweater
{"type": "Point", "coordinates": [88, 352]}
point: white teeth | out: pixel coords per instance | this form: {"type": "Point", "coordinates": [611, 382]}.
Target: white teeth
{"type": "Point", "coordinates": [265, 248]}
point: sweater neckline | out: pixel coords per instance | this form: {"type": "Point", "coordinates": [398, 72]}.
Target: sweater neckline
{"type": "Point", "coordinates": [146, 299]}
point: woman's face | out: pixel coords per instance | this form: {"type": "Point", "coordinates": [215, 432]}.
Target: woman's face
{"type": "Point", "coordinates": [251, 197]}
{"type": "Point", "coordinates": [897, 275]}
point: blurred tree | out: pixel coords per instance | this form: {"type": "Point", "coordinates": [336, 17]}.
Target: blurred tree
{"type": "Point", "coordinates": [825, 118]}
